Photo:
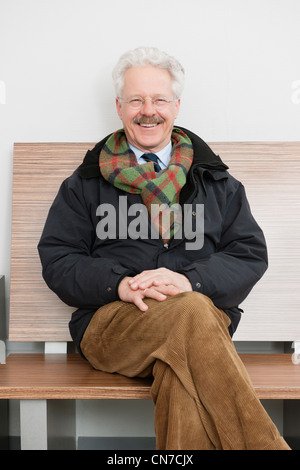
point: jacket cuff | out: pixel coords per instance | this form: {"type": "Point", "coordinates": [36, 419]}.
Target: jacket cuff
{"type": "Point", "coordinates": [193, 276]}
{"type": "Point", "coordinates": [118, 273]}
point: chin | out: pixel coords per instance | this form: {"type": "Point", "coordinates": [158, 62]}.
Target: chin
{"type": "Point", "coordinates": [150, 139]}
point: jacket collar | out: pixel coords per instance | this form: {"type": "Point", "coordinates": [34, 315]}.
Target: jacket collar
{"type": "Point", "coordinates": [204, 158]}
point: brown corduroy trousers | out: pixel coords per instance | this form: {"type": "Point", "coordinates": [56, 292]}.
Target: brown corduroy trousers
{"type": "Point", "coordinates": [202, 393]}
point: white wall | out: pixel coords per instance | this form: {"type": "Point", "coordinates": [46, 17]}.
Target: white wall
{"type": "Point", "coordinates": [241, 60]}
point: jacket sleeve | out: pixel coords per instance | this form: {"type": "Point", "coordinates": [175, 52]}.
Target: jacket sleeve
{"type": "Point", "coordinates": [65, 250]}
{"type": "Point", "coordinates": [228, 275]}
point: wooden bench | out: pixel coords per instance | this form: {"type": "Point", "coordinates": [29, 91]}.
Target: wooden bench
{"type": "Point", "coordinates": [271, 175]}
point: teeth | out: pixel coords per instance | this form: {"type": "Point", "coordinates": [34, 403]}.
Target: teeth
{"type": "Point", "coordinates": [148, 125]}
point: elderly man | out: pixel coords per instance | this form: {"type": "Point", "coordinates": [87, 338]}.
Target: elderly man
{"type": "Point", "coordinates": [153, 242]}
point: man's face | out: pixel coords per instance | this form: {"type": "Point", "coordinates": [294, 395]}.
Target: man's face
{"type": "Point", "coordinates": [148, 82]}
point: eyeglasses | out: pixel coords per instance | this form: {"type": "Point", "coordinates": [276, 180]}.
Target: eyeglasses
{"type": "Point", "coordinates": [138, 102]}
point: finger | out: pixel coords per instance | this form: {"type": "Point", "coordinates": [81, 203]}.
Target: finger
{"type": "Point", "coordinates": [151, 279]}
{"type": "Point", "coordinates": [137, 277]}
{"type": "Point", "coordinates": [138, 301]}
{"type": "Point", "coordinates": [146, 275]}
{"type": "Point", "coordinates": [135, 281]}
{"type": "Point", "coordinates": [155, 294]}
{"type": "Point", "coordinates": [156, 277]}
{"type": "Point", "coordinates": [142, 283]}
{"type": "Point", "coordinates": [156, 282]}
{"type": "Point", "coordinates": [169, 289]}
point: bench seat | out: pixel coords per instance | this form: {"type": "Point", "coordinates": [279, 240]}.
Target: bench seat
{"type": "Point", "coordinates": [68, 376]}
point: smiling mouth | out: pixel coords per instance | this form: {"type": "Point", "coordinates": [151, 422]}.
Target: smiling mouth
{"type": "Point", "coordinates": [149, 125]}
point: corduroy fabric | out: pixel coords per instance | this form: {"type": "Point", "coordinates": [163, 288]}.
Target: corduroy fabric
{"type": "Point", "coordinates": [203, 396]}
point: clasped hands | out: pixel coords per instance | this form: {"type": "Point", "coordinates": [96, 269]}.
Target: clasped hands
{"type": "Point", "coordinates": [154, 284]}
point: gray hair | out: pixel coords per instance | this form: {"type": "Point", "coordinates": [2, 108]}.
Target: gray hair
{"type": "Point", "coordinates": [148, 56]}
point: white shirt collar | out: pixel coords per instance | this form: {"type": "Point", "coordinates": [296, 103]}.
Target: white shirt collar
{"type": "Point", "coordinates": [163, 155]}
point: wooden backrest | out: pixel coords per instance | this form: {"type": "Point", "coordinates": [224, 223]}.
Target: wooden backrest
{"type": "Point", "coordinates": [271, 175]}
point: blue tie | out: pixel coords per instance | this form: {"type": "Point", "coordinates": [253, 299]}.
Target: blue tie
{"type": "Point", "coordinates": [151, 157]}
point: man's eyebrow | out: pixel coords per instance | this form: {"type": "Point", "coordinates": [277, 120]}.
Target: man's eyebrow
{"type": "Point", "coordinates": [158, 95]}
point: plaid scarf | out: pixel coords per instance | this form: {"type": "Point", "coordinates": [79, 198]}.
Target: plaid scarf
{"type": "Point", "coordinates": [118, 165]}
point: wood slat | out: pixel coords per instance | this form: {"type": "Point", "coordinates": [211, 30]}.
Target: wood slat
{"type": "Point", "coordinates": [68, 376]}
{"type": "Point", "coordinates": [274, 376]}
{"type": "Point", "coordinates": [64, 376]}
{"type": "Point", "coordinates": [36, 313]}
{"type": "Point", "coordinates": [270, 172]}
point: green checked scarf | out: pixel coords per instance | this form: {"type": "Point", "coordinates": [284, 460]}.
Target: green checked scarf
{"type": "Point", "coordinates": [118, 165]}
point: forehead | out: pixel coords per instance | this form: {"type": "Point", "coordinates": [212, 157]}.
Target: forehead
{"type": "Point", "coordinates": [147, 81]}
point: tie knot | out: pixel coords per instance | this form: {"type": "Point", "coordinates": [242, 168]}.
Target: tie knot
{"type": "Point", "coordinates": [151, 157]}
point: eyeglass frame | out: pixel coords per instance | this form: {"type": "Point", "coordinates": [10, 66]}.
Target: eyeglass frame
{"type": "Point", "coordinates": [142, 100]}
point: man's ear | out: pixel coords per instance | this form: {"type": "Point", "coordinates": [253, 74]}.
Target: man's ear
{"type": "Point", "coordinates": [119, 108]}
{"type": "Point", "coordinates": [177, 108]}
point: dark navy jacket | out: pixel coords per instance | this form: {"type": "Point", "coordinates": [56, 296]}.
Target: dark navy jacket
{"type": "Point", "coordinates": [85, 270]}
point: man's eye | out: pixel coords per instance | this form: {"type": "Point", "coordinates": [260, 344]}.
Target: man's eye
{"type": "Point", "coordinates": [160, 101]}
{"type": "Point", "coordinates": [136, 101]}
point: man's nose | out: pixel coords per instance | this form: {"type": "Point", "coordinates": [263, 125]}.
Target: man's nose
{"type": "Point", "coordinates": [148, 107]}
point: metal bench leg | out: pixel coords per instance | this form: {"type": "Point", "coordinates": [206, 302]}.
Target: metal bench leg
{"type": "Point", "coordinates": [4, 425]}
{"type": "Point", "coordinates": [33, 419]}
{"type": "Point", "coordinates": [48, 424]}
{"type": "Point", "coordinates": [61, 424]}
